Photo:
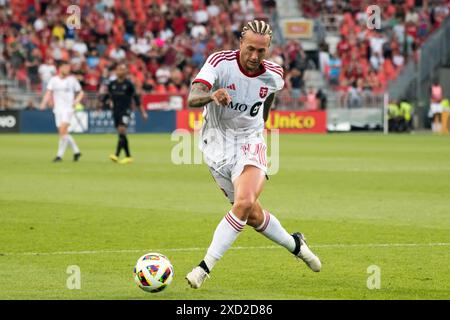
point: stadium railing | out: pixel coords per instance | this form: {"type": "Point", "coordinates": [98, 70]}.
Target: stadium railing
{"type": "Point", "coordinates": [284, 101]}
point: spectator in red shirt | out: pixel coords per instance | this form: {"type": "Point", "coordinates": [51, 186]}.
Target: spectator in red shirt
{"type": "Point", "coordinates": [179, 23]}
{"type": "Point", "coordinates": [92, 80]}
{"type": "Point", "coordinates": [343, 46]}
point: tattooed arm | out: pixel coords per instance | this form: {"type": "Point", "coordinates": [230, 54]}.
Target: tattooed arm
{"type": "Point", "coordinates": [267, 105]}
{"type": "Point", "coordinates": [200, 95]}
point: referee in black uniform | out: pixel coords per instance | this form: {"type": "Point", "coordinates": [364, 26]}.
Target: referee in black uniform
{"type": "Point", "coordinates": [120, 92]}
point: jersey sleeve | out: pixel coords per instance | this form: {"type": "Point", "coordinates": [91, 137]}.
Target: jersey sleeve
{"type": "Point", "coordinates": [279, 83]}
{"type": "Point", "coordinates": [208, 73]}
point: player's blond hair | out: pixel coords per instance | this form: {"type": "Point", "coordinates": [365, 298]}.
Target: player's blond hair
{"type": "Point", "coordinates": [258, 27]}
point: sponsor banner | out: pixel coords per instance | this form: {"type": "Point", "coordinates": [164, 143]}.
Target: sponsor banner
{"type": "Point", "coordinates": [158, 121]}
{"type": "Point", "coordinates": [103, 122]}
{"type": "Point", "coordinates": [298, 121]}
{"type": "Point", "coordinates": [9, 121]}
{"type": "Point", "coordinates": [298, 28]}
{"type": "Point", "coordinates": [189, 119]}
{"type": "Point", "coordinates": [163, 101]}
{"type": "Point", "coordinates": [34, 121]}
{"type": "Point", "coordinates": [285, 121]}
{"type": "Point", "coordinates": [79, 122]}
{"type": "Point", "coordinates": [96, 122]}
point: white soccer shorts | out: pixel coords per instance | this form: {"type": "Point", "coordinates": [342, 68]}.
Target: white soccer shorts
{"type": "Point", "coordinates": [225, 173]}
{"type": "Point", "coordinates": [63, 117]}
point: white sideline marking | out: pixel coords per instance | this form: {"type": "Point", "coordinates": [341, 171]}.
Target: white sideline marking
{"type": "Point", "coordinates": [337, 245]}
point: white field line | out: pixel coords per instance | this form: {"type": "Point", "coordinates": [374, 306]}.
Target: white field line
{"type": "Point", "coordinates": [336, 245]}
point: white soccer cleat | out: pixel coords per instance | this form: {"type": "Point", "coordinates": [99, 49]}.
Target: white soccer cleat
{"type": "Point", "coordinates": [196, 277]}
{"type": "Point", "coordinates": [305, 254]}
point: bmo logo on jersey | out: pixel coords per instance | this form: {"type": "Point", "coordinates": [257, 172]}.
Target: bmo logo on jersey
{"type": "Point", "coordinates": [242, 107]}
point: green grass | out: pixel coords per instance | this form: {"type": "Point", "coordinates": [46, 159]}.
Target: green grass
{"type": "Point", "coordinates": [345, 192]}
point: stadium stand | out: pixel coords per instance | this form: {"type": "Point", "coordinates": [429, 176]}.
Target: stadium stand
{"type": "Point", "coordinates": [373, 57]}
{"type": "Point", "coordinates": [165, 43]}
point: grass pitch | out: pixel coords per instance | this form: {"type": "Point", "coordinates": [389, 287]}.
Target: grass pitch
{"type": "Point", "coordinates": [361, 200]}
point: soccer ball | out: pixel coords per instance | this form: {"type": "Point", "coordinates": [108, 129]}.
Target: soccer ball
{"type": "Point", "coordinates": [153, 272]}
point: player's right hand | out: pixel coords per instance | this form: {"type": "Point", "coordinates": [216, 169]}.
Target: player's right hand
{"type": "Point", "coordinates": [221, 97]}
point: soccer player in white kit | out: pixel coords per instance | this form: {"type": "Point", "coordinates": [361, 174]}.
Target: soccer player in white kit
{"type": "Point", "coordinates": [237, 89]}
{"type": "Point", "coordinates": [66, 92]}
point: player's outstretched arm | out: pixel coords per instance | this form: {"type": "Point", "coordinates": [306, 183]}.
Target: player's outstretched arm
{"type": "Point", "coordinates": [200, 95]}
{"type": "Point", "coordinates": [267, 105]}
{"type": "Point", "coordinates": [143, 111]}
{"type": "Point", "coordinates": [105, 99]}
{"type": "Point", "coordinates": [139, 105]}
{"type": "Point", "coordinates": [46, 99]}
{"type": "Point", "coordinates": [78, 98]}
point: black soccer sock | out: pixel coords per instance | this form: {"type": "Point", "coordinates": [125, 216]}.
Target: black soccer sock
{"type": "Point", "coordinates": [119, 145]}
{"type": "Point", "coordinates": [125, 146]}
{"type": "Point", "coordinates": [204, 266]}
{"type": "Point", "coordinates": [297, 245]}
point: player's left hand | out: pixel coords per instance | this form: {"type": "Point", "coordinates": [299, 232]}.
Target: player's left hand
{"type": "Point", "coordinates": [221, 97]}
{"type": "Point", "coordinates": [145, 116]}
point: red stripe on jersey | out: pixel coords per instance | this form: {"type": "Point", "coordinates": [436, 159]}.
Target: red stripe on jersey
{"type": "Point", "coordinates": [272, 64]}
{"type": "Point", "coordinates": [218, 54]}
{"type": "Point", "coordinates": [214, 63]}
{"type": "Point", "coordinates": [280, 74]}
{"type": "Point", "coordinates": [275, 70]}
{"type": "Point", "coordinates": [220, 60]}
{"type": "Point", "coordinates": [273, 67]}
{"type": "Point", "coordinates": [222, 55]}
{"type": "Point", "coordinates": [213, 56]}
{"type": "Point", "coordinates": [209, 85]}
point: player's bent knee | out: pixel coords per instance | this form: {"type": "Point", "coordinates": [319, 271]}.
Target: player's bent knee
{"type": "Point", "coordinates": [256, 216]}
{"type": "Point", "coordinates": [244, 206]}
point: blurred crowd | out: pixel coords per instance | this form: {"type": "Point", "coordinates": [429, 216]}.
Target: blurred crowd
{"type": "Point", "coordinates": [165, 43]}
{"type": "Point", "coordinates": [364, 59]}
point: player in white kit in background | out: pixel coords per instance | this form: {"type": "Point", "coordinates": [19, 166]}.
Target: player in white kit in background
{"type": "Point", "coordinates": [237, 89]}
{"type": "Point", "coordinates": [66, 92]}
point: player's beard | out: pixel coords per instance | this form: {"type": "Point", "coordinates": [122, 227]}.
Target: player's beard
{"type": "Point", "coordinates": [253, 65]}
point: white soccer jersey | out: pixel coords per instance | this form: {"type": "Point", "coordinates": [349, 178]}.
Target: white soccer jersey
{"type": "Point", "coordinates": [63, 90]}
{"type": "Point", "coordinates": [243, 117]}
